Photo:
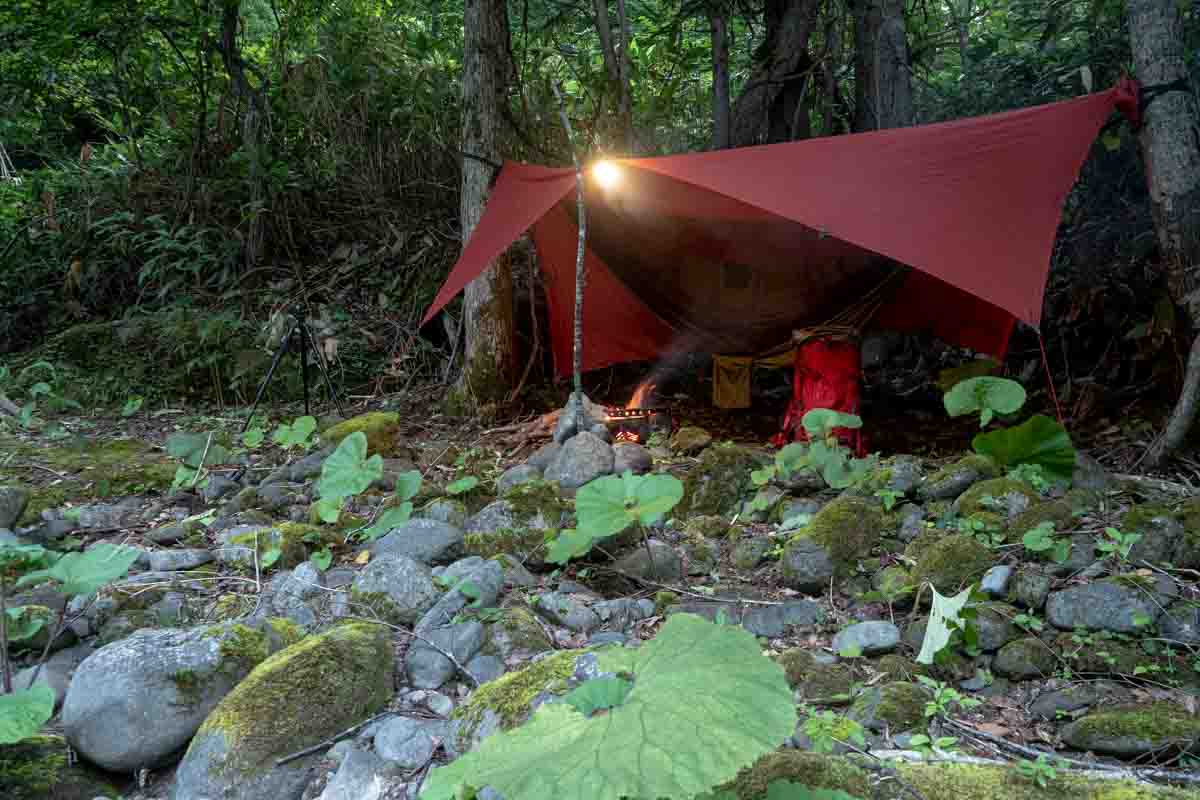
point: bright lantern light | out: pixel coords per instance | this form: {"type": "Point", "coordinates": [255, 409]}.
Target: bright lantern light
{"type": "Point", "coordinates": [606, 174]}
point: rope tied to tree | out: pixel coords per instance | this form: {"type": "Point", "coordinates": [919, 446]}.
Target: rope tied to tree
{"type": "Point", "coordinates": [1134, 98]}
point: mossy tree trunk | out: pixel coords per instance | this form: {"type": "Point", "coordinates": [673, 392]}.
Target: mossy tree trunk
{"type": "Point", "coordinates": [882, 81]}
{"type": "Point", "coordinates": [771, 107]}
{"type": "Point", "coordinates": [1170, 144]}
{"type": "Point", "coordinates": [488, 300]}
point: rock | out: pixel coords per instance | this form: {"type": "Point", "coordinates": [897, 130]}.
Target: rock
{"type": "Point", "coordinates": [519, 635]}
{"type": "Point", "coordinates": [950, 562]}
{"type": "Point", "coordinates": [1090, 475]}
{"type": "Point", "coordinates": [362, 775]}
{"type": "Point", "coordinates": [13, 501]}
{"type": "Point", "coordinates": [1107, 605]}
{"type": "Point", "coordinates": [425, 666]}
{"type": "Point", "coordinates": [690, 440]}
{"type": "Point", "coordinates": [622, 613]}
{"type": "Point", "coordinates": [544, 456]}
{"type": "Point", "coordinates": [867, 638]}
{"type": "Point", "coordinates": [749, 553]}
{"type": "Point", "coordinates": [309, 467]}
{"type": "Point", "coordinates": [1006, 496]}
{"type": "Point", "coordinates": [409, 742]}
{"type": "Point", "coordinates": [217, 487]}
{"type": "Point", "coordinates": [951, 481]}
{"type": "Point", "coordinates": [172, 532]}
{"type": "Point", "coordinates": [396, 588]}
{"type": "Point", "coordinates": [7, 537]}
{"type": "Point", "coordinates": [912, 522]}
{"type": "Point", "coordinates": [484, 668]}
{"type": "Point", "coordinates": [660, 563]}
{"type": "Point", "coordinates": [37, 768]}
{"type": "Point", "coordinates": [294, 594]}
{"type": "Point", "coordinates": [1160, 531]}
{"type": "Point", "coordinates": [1031, 588]}
{"type": "Point", "coordinates": [1050, 705]}
{"type": "Point", "coordinates": [994, 625]}
{"type": "Point", "coordinates": [177, 560]}
{"type": "Point", "coordinates": [535, 505]}
{"type": "Point", "coordinates": [583, 458]}
{"type": "Point", "coordinates": [893, 707]}
{"type": "Point", "coordinates": [278, 497]}
{"type": "Point", "coordinates": [1135, 730]}
{"type": "Point", "coordinates": [718, 483]}
{"type": "Point", "coordinates": [702, 556]}
{"type": "Point", "coordinates": [56, 672]}
{"type": "Point", "coordinates": [1025, 659]}
{"type": "Point", "coordinates": [905, 474]}
{"type": "Point", "coordinates": [631, 456]}
{"type": "Point", "coordinates": [842, 532]}
{"type": "Point", "coordinates": [445, 509]}
{"type": "Point", "coordinates": [564, 610]}
{"type": "Point", "coordinates": [995, 581]}
{"type": "Point", "coordinates": [762, 506]}
{"type": "Point", "coordinates": [769, 621]}
{"type": "Point", "coordinates": [425, 540]}
{"type": "Point", "coordinates": [568, 421]}
{"type": "Point", "coordinates": [1181, 623]}
{"type": "Point", "coordinates": [272, 713]}
{"type": "Point", "coordinates": [380, 427]}
{"type": "Point", "coordinates": [515, 476]}
{"type": "Point", "coordinates": [115, 709]}
{"type": "Point", "coordinates": [601, 638]}
{"type": "Point", "coordinates": [515, 573]}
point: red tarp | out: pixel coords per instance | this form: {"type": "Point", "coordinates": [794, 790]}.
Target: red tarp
{"type": "Point", "coordinates": [727, 251]}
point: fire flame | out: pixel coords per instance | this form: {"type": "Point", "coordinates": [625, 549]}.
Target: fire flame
{"type": "Point", "coordinates": [641, 394]}
{"type": "Point", "coordinates": [628, 436]}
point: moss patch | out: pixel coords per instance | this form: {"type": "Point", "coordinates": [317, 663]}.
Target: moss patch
{"type": "Point", "coordinates": [808, 769]}
{"type": "Point", "coordinates": [536, 498]}
{"type": "Point", "coordinates": [976, 498]}
{"type": "Point", "coordinates": [951, 562]}
{"type": "Point", "coordinates": [847, 529]}
{"type": "Point", "coordinates": [707, 527]}
{"type": "Point", "coordinates": [36, 769]}
{"type": "Point", "coordinates": [519, 542]}
{"type": "Point", "coordinates": [380, 427]}
{"type": "Point", "coordinates": [1060, 512]}
{"type": "Point", "coordinates": [271, 712]}
{"type": "Point", "coordinates": [717, 484]}
{"type": "Point", "coordinates": [288, 538]}
{"type": "Point", "coordinates": [509, 696]}
{"type": "Point", "coordinates": [978, 782]}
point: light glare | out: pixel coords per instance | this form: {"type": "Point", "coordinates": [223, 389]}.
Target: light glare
{"type": "Point", "coordinates": [606, 174]}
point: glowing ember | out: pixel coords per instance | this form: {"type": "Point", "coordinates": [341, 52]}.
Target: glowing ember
{"type": "Point", "coordinates": [639, 396]}
{"type": "Point", "coordinates": [628, 436]}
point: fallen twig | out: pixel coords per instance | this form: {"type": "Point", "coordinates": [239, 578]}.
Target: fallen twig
{"type": "Point", "coordinates": [332, 740]}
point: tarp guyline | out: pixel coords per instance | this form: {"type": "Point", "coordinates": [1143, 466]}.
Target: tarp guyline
{"type": "Point", "coordinates": [728, 251]}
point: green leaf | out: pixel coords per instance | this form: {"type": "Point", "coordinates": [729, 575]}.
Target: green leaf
{"type": "Point", "coordinates": [705, 703]}
{"type": "Point", "coordinates": [408, 484]}
{"type": "Point", "coordinates": [295, 434]}
{"type": "Point", "coordinates": [761, 477]}
{"type": "Point", "coordinates": [610, 504]}
{"type": "Point", "coordinates": [944, 618]}
{"type": "Point", "coordinates": [986, 394]}
{"type": "Point", "coordinates": [570, 543]}
{"type": "Point", "coordinates": [462, 485]}
{"type": "Point", "coordinates": [84, 573]}
{"type": "Point", "coordinates": [820, 422]}
{"type": "Point", "coordinates": [329, 509]}
{"type": "Point", "coordinates": [392, 518]}
{"type": "Point", "coordinates": [322, 559]}
{"type": "Point", "coordinates": [269, 557]}
{"type": "Point", "coordinates": [253, 437]}
{"type": "Point", "coordinates": [598, 694]}
{"type": "Point", "coordinates": [190, 448]}
{"type": "Point", "coordinates": [24, 623]}
{"type": "Point", "coordinates": [791, 459]}
{"type": "Point", "coordinates": [347, 471]}
{"type": "Point", "coordinates": [24, 712]}
{"type": "Point", "coordinates": [131, 406]}
{"type": "Point", "coordinates": [1038, 440]}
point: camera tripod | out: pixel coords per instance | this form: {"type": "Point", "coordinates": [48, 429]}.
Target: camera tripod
{"type": "Point", "coordinates": [301, 339]}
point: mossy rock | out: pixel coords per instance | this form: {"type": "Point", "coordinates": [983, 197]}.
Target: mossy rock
{"type": "Point", "coordinates": [827, 684]}
{"type": "Point", "coordinates": [932, 780]}
{"type": "Point", "coordinates": [1061, 512]}
{"type": "Point", "coordinates": [1135, 730]}
{"type": "Point", "coordinates": [953, 479]}
{"type": "Point", "coordinates": [709, 527]}
{"type": "Point", "coordinates": [1100, 655]}
{"type": "Point", "coordinates": [717, 484]}
{"type": "Point", "coordinates": [534, 499]}
{"type": "Point", "coordinates": [271, 714]}
{"type": "Point", "coordinates": [517, 634]}
{"type": "Point", "coordinates": [895, 707]}
{"type": "Point", "coordinates": [380, 427]}
{"type": "Point", "coordinates": [952, 562]}
{"type": "Point", "coordinates": [899, 668]}
{"type": "Point", "coordinates": [293, 540]}
{"type": "Point", "coordinates": [38, 768]}
{"type": "Point", "coordinates": [526, 544]}
{"type": "Point", "coordinates": [846, 528]}
{"type": "Point", "coordinates": [1009, 496]}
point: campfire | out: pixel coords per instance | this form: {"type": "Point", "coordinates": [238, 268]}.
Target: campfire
{"type": "Point", "coordinates": [638, 419]}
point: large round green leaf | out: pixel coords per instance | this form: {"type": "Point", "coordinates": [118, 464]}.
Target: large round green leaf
{"type": "Point", "coordinates": [24, 712]}
{"type": "Point", "coordinates": [705, 703]}
{"type": "Point", "coordinates": [84, 573]}
{"type": "Point", "coordinates": [1038, 440]}
{"type": "Point", "coordinates": [347, 471]}
{"type": "Point", "coordinates": [988, 395]}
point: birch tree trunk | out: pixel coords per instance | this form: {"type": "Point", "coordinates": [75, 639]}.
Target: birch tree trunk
{"type": "Point", "coordinates": [883, 84]}
{"type": "Point", "coordinates": [1170, 144]}
{"type": "Point", "coordinates": [488, 301]}
{"type": "Point", "coordinates": [720, 74]}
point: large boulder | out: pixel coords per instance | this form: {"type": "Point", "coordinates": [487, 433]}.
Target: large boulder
{"type": "Point", "coordinates": [1132, 731]}
{"type": "Point", "coordinates": [1118, 605]}
{"type": "Point", "coordinates": [583, 458]}
{"type": "Point", "coordinates": [296, 698]}
{"type": "Point", "coordinates": [397, 589]}
{"type": "Point", "coordinates": [136, 702]}
{"type": "Point", "coordinates": [950, 562]}
{"type": "Point", "coordinates": [839, 534]}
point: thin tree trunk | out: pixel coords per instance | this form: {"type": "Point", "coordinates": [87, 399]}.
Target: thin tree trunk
{"type": "Point", "coordinates": [580, 274]}
{"type": "Point", "coordinates": [625, 104]}
{"type": "Point", "coordinates": [720, 77]}
{"type": "Point", "coordinates": [1170, 144]}
{"type": "Point", "coordinates": [487, 302]}
{"type": "Point", "coordinates": [617, 64]}
{"type": "Point", "coordinates": [883, 85]}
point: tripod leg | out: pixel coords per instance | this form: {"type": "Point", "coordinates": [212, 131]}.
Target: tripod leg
{"type": "Point", "coordinates": [283, 346]}
{"type": "Point", "coordinates": [305, 343]}
{"type": "Point", "coordinates": [324, 370]}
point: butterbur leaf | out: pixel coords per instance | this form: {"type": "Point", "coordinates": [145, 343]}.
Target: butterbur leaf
{"type": "Point", "coordinates": [944, 618]}
{"type": "Point", "coordinates": [270, 557]}
{"type": "Point", "coordinates": [462, 485]}
{"type": "Point", "coordinates": [598, 694]}
{"type": "Point", "coordinates": [347, 471]}
{"type": "Point", "coordinates": [986, 394]}
{"type": "Point", "coordinates": [819, 422]}
{"type": "Point", "coordinates": [569, 543]}
{"type": "Point", "coordinates": [392, 518]}
{"type": "Point", "coordinates": [761, 477]}
{"type": "Point", "coordinates": [24, 712]}
{"type": "Point", "coordinates": [84, 573]}
{"type": "Point", "coordinates": [322, 559]}
{"type": "Point", "coordinates": [23, 623]}
{"type": "Point", "coordinates": [253, 437]}
{"type": "Point", "coordinates": [329, 509]}
{"type": "Point", "coordinates": [704, 704]}
{"type": "Point", "coordinates": [654, 495]}
{"type": "Point", "coordinates": [190, 448]}
{"type": "Point", "coordinates": [1038, 440]}
{"type": "Point", "coordinates": [408, 484]}
{"type": "Point", "coordinates": [791, 459]}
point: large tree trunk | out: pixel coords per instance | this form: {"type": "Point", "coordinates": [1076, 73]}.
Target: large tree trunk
{"type": "Point", "coordinates": [720, 75]}
{"type": "Point", "coordinates": [1170, 143]}
{"type": "Point", "coordinates": [770, 108]}
{"type": "Point", "coordinates": [617, 63]}
{"type": "Point", "coordinates": [487, 302]}
{"type": "Point", "coordinates": [882, 82]}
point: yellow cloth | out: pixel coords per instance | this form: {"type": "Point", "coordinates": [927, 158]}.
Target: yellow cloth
{"type": "Point", "coordinates": [731, 376]}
